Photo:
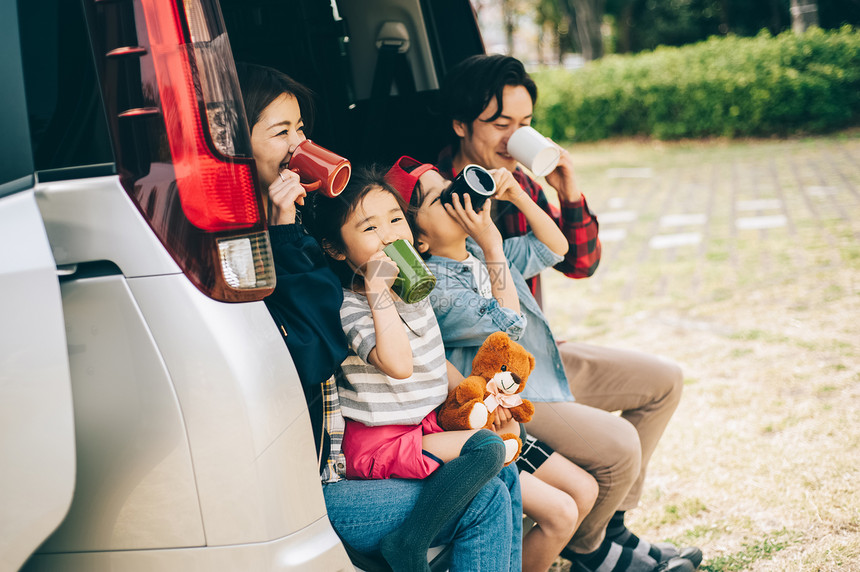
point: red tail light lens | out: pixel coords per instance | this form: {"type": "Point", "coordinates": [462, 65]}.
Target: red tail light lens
{"type": "Point", "coordinates": [181, 139]}
{"type": "Point", "coordinates": [216, 194]}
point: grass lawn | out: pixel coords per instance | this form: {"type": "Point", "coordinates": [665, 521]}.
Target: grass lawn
{"type": "Point", "coordinates": [741, 261]}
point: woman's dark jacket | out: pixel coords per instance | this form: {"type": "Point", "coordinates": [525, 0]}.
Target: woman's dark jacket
{"type": "Point", "coordinates": [306, 307]}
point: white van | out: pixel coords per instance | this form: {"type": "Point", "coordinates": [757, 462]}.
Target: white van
{"type": "Point", "coordinates": [151, 417]}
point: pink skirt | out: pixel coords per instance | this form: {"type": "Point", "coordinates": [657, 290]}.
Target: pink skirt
{"type": "Point", "coordinates": [389, 451]}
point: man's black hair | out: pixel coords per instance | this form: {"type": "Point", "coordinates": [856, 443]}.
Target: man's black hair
{"type": "Point", "coordinates": [470, 86]}
{"type": "Point", "coordinates": [261, 85]}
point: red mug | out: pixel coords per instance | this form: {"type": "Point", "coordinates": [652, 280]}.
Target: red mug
{"type": "Point", "coordinates": [319, 168]}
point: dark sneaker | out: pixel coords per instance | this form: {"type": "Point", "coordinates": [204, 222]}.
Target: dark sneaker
{"type": "Point", "coordinates": [693, 554]}
{"type": "Point", "coordinates": [669, 551]}
{"type": "Point", "coordinates": [676, 564]}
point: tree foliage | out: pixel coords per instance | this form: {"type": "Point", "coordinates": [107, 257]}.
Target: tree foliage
{"type": "Point", "coordinates": [645, 24]}
{"type": "Point", "coordinates": [725, 86]}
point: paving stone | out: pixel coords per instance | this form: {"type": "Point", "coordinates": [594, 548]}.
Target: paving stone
{"type": "Point", "coordinates": [695, 219]}
{"type": "Point", "coordinates": [617, 216]}
{"type": "Point", "coordinates": [756, 222]}
{"type": "Point", "coordinates": [759, 204]}
{"type": "Point", "coordinates": [669, 240]}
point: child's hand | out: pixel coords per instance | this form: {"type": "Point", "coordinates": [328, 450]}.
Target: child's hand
{"type": "Point", "coordinates": [284, 194]}
{"type": "Point", "coordinates": [379, 272]}
{"type": "Point", "coordinates": [503, 416]}
{"type": "Point", "coordinates": [507, 187]}
{"type": "Point", "coordinates": [478, 225]}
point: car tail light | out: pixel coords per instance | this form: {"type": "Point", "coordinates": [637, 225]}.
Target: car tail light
{"type": "Point", "coordinates": [181, 139]}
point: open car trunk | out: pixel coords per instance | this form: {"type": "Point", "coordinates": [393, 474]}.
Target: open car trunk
{"type": "Point", "coordinates": [374, 65]}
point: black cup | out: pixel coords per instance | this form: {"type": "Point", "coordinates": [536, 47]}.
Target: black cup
{"type": "Point", "coordinates": [474, 181]}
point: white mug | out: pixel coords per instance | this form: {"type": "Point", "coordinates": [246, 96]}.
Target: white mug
{"type": "Point", "coordinates": [537, 153]}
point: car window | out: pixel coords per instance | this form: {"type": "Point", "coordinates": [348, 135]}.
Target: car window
{"type": "Point", "coordinates": [65, 113]}
{"type": "Point", "coordinates": [16, 168]}
{"type": "Point", "coordinates": [456, 32]}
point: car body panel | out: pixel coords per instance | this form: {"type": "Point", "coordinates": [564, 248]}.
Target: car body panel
{"type": "Point", "coordinates": [244, 409]}
{"type": "Point", "coordinates": [135, 483]}
{"type": "Point", "coordinates": [37, 439]}
{"type": "Point", "coordinates": [94, 219]}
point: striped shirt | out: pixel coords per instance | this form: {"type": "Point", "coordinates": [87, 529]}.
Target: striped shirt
{"type": "Point", "coordinates": [369, 396]}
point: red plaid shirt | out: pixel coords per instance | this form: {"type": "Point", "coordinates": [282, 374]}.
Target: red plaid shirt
{"type": "Point", "coordinates": [574, 219]}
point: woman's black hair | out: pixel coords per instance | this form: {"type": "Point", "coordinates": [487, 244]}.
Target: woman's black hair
{"type": "Point", "coordinates": [261, 85]}
{"type": "Point", "coordinates": [330, 214]}
{"type": "Point", "coordinates": [470, 86]}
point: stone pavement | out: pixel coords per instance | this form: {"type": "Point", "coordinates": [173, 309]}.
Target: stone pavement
{"type": "Point", "coordinates": [697, 226]}
{"type": "Point", "coordinates": [740, 261]}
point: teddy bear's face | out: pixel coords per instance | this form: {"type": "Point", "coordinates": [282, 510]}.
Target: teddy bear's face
{"type": "Point", "coordinates": [507, 381]}
{"type": "Point", "coordinates": [504, 361]}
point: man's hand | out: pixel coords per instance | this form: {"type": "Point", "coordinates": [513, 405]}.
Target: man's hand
{"type": "Point", "coordinates": [284, 194]}
{"type": "Point", "coordinates": [563, 179]}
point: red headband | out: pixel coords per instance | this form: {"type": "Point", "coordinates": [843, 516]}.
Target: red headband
{"type": "Point", "coordinates": [403, 176]}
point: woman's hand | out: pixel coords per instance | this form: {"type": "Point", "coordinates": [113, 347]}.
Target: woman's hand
{"type": "Point", "coordinates": [478, 225]}
{"type": "Point", "coordinates": [507, 187]}
{"type": "Point", "coordinates": [284, 194]}
{"type": "Point", "coordinates": [379, 272]}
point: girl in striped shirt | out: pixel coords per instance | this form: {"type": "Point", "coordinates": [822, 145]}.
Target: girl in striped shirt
{"type": "Point", "coordinates": [396, 374]}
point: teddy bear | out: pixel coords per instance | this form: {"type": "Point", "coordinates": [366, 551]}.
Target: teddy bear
{"type": "Point", "coordinates": [499, 372]}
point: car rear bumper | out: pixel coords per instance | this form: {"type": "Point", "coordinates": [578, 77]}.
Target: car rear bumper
{"type": "Point", "coordinates": [315, 547]}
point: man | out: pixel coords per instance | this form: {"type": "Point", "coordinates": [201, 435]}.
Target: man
{"type": "Point", "coordinates": [487, 98]}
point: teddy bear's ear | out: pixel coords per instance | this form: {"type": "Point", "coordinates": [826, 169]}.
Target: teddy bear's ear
{"type": "Point", "coordinates": [523, 357]}
{"type": "Point", "coordinates": [488, 356]}
{"type": "Point", "coordinates": [497, 344]}
{"type": "Point", "coordinates": [498, 341]}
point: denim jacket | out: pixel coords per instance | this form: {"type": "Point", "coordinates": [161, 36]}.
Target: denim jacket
{"type": "Point", "coordinates": [466, 318]}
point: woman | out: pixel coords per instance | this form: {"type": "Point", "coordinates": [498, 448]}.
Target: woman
{"type": "Point", "coordinates": [306, 305]}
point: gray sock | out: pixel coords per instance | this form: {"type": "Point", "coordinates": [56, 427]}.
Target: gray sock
{"type": "Point", "coordinates": [446, 493]}
{"type": "Point", "coordinates": [612, 557]}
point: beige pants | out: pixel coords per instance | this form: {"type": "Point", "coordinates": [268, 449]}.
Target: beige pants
{"type": "Point", "coordinates": [615, 450]}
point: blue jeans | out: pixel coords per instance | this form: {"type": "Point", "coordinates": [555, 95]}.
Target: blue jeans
{"type": "Point", "coordinates": [483, 537]}
{"type": "Point", "coordinates": [510, 476]}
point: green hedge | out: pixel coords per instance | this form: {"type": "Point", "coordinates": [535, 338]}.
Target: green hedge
{"type": "Point", "coordinates": [725, 86]}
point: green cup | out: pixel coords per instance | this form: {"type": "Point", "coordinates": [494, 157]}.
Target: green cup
{"type": "Point", "coordinates": [415, 281]}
